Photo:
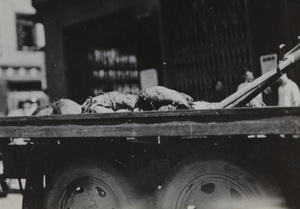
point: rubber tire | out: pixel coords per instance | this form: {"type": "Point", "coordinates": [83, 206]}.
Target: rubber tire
{"type": "Point", "coordinates": [64, 181]}
{"type": "Point", "coordinates": [182, 190]}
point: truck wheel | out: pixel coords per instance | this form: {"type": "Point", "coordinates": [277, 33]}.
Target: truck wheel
{"type": "Point", "coordinates": [197, 184]}
{"type": "Point", "coordinates": [87, 185]}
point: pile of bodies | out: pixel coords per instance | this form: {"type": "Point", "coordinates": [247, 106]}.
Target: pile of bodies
{"type": "Point", "coordinates": [157, 98]}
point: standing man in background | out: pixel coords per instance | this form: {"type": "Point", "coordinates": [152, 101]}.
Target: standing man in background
{"type": "Point", "coordinates": [288, 92]}
{"type": "Point", "coordinates": [248, 75]}
{"type": "Point", "coordinates": [219, 93]}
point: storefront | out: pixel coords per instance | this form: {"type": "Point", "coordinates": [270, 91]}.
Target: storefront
{"type": "Point", "coordinates": [95, 46]}
{"type": "Point", "coordinates": [22, 60]}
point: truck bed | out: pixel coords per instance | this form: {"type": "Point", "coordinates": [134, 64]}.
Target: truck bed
{"type": "Point", "coordinates": [184, 135]}
{"type": "Point", "coordinates": [182, 123]}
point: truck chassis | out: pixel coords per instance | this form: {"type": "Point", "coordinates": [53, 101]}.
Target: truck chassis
{"type": "Point", "coordinates": [176, 159]}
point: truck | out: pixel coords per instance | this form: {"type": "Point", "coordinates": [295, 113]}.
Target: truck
{"type": "Point", "coordinates": [228, 156]}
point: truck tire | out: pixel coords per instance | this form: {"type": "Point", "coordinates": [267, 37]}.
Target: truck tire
{"type": "Point", "coordinates": [87, 184]}
{"type": "Point", "coordinates": [206, 184]}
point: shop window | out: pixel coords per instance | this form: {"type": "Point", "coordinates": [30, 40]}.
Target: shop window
{"type": "Point", "coordinates": [30, 34]}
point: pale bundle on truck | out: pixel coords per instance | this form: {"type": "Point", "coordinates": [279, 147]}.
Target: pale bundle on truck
{"type": "Point", "coordinates": [109, 102]}
{"type": "Point", "coordinates": [157, 98]}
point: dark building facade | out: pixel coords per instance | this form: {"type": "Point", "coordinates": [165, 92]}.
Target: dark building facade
{"type": "Point", "coordinates": [100, 45]}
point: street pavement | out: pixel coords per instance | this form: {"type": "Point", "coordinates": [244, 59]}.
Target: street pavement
{"type": "Point", "coordinates": [12, 201]}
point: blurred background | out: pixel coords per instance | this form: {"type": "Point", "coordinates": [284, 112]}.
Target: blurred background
{"type": "Point", "coordinates": [22, 58]}
{"type": "Point", "coordinates": [52, 49]}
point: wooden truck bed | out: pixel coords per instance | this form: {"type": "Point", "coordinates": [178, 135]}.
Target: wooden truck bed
{"type": "Point", "coordinates": [197, 140]}
{"type": "Point", "coordinates": [185, 123]}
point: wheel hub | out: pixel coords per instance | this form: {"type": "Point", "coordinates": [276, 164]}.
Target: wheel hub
{"type": "Point", "coordinates": [214, 191]}
{"type": "Point", "coordinates": [88, 193]}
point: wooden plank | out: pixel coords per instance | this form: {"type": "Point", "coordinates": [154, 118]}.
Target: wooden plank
{"type": "Point", "coordinates": [242, 121]}
{"type": "Point", "coordinates": [219, 115]}
{"type": "Point", "coordinates": [276, 125]}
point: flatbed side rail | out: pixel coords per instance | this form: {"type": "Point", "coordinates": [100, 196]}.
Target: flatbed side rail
{"type": "Point", "coordinates": [184, 123]}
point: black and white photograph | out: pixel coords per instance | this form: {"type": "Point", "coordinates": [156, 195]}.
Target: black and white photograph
{"type": "Point", "coordinates": [149, 104]}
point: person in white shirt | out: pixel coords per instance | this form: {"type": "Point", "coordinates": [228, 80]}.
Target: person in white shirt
{"type": "Point", "coordinates": [288, 92]}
